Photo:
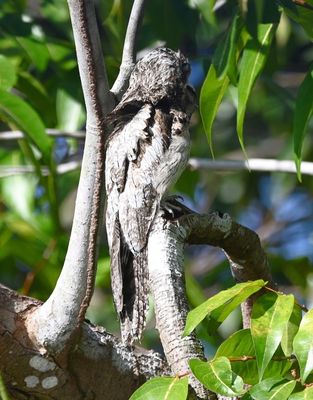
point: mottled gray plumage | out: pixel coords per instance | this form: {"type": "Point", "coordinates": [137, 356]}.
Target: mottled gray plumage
{"type": "Point", "coordinates": [146, 154]}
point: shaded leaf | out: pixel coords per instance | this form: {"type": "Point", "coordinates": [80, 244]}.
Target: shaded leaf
{"type": "Point", "coordinates": [271, 389]}
{"type": "Point", "coordinates": [225, 53]}
{"type": "Point", "coordinates": [211, 95]}
{"type": "Point", "coordinates": [7, 73]}
{"type": "Point", "coordinates": [252, 63]}
{"type": "Point", "coordinates": [302, 115]}
{"type": "Point", "coordinates": [36, 51]}
{"type": "Point", "coordinates": [163, 388]}
{"type": "Point", "coordinates": [269, 316]}
{"type": "Point", "coordinates": [217, 376]}
{"type": "Point", "coordinates": [18, 112]}
{"type": "Point", "coordinates": [230, 298]}
{"type": "Point", "coordinates": [303, 345]}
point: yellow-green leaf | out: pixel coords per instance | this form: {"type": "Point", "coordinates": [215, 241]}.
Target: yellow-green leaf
{"type": "Point", "coordinates": [303, 345]}
{"type": "Point", "coordinates": [231, 298]}
{"type": "Point", "coordinates": [269, 317]}
{"type": "Point", "coordinates": [162, 388]}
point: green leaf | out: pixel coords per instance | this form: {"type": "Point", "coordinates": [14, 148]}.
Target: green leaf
{"type": "Point", "coordinates": [230, 298]}
{"type": "Point", "coordinates": [18, 112]}
{"type": "Point", "coordinates": [226, 50]}
{"type": "Point", "coordinates": [163, 388]}
{"type": "Point", "coordinates": [269, 316]}
{"type": "Point", "coordinates": [306, 394]}
{"type": "Point", "coordinates": [7, 73]}
{"type": "Point", "coordinates": [302, 115]}
{"type": "Point", "coordinates": [252, 63]}
{"type": "Point", "coordinates": [271, 389]}
{"type": "Point", "coordinates": [36, 51]}
{"type": "Point", "coordinates": [290, 330]}
{"type": "Point", "coordinates": [70, 112]}
{"type": "Point", "coordinates": [303, 345]}
{"type": "Point", "coordinates": [217, 376]}
{"type": "Point", "coordinates": [240, 345]}
{"type": "Point", "coordinates": [211, 95]}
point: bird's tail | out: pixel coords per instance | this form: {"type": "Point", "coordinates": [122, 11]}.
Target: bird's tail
{"type": "Point", "coordinates": [130, 285]}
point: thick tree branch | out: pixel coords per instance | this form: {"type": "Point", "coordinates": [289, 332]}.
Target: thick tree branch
{"type": "Point", "coordinates": [98, 365]}
{"type": "Point", "coordinates": [167, 283]}
{"type": "Point", "coordinates": [129, 51]}
{"type": "Point", "coordinates": [57, 319]}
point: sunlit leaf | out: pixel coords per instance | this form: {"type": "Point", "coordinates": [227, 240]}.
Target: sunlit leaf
{"type": "Point", "coordinates": [252, 63]}
{"type": "Point", "coordinates": [303, 345]}
{"type": "Point", "coordinates": [302, 115]}
{"type": "Point", "coordinates": [217, 376]}
{"type": "Point", "coordinates": [18, 112]}
{"type": "Point", "coordinates": [162, 389]}
{"type": "Point", "coordinates": [290, 330]}
{"type": "Point", "coordinates": [7, 73]}
{"type": "Point", "coordinates": [70, 112]}
{"type": "Point", "coordinates": [306, 394]}
{"type": "Point", "coordinates": [269, 316]}
{"type": "Point", "coordinates": [211, 95]}
{"type": "Point", "coordinates": [272, 389]}
{"type": "Point", "coordinates": [240, 346]}
{"type": "Point", "coordinates": [230, 298]}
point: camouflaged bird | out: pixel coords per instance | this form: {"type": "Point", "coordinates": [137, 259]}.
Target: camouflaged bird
{"type": "Point", "coordinates": [146, 153]}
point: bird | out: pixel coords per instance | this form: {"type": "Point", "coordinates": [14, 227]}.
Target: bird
{"type": "Point", "coordinates": [145, 154]}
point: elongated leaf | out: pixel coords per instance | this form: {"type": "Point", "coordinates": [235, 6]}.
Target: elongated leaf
{"type": "Point", "coordinates": [269, 316]}
{"type": "Point", "coordinates": [163, 388]}
{"type": "Point", "coordinates": [233, 296]}
{"type": "Point", "coordinates": [272, 390]}
{"type": "Point", "coordinates": [217, 376]}
{"type": "Point", "coordinates": [18, 112]}
{"type": "Point", "coordinates": [252, 63]}
{"type": "Point", "coordinates": [37, 51]}
{"type": "Point", "coordinates": [290, 330]}
{"type": "Point", "coordinates": [303, 113]}
{"type": "Point", "coordinates": [211, 95]}
{"type": "Point", "coordinates": [306, 394]}
{"type": "Point", "coordinates": [303, 345]}
{"type": "Point", "coordinates": [226, 51]}
{"type": "Point", "coordinates": [240, 346]}
{"type": "Point", "coordinates": [7, 73]}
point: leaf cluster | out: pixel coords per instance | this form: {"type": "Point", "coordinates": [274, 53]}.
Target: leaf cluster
{"type": "Point", "coordinates": [271, 360]}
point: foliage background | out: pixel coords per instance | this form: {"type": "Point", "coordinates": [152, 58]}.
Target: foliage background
{"type": "Point", "coordinates": [40, 89]}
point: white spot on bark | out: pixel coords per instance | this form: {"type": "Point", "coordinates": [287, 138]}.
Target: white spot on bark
{"type": "Point", "coordinates": [31, 381]}
{"type": "Point", "coordinates": [41, 364]}
{"type": "Point", "coordinates": [49, 382]}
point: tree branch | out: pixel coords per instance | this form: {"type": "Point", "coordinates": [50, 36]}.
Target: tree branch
{"type": "Point", "coordinates": [167, 284]}
{"type": "Point", "coordinates": [99, 364]}
{"type": "Point", "coordinates": [253, 164]}
{"type": "Point", "coordinates": [129, 53]}
{"type": "Point", "coordinates": [55, 322]}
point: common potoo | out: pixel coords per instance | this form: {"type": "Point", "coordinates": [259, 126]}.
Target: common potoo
{"type": "Point", "coordinates": [146, 153]}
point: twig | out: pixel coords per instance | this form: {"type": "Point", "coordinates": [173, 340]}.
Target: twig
{"type": "Point", "coordinates": [302, 3]}
{"type": "Point", "coordinates": [253, 164]}
{"type": "Point", "coordinates": [302, 306]}
{"type": "Point", "coordinates": [129, 54]}
{"type": "Point", "coordinates": [9, 170]}
{"type": "Point", "coordinates": [16, 135]}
